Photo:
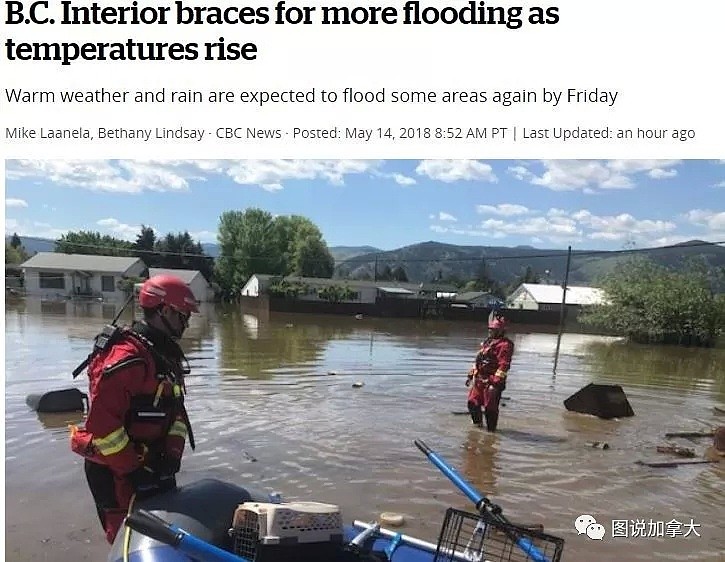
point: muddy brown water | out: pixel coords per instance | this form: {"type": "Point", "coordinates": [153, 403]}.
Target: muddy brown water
{"type": "Point", "coordinates": [272, 405]}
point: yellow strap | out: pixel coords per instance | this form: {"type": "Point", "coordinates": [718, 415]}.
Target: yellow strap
{"type": "Point", "coordinates": [159, 391]}
{"type": "Point", "coordinates": [127, 536]}
{"type": "Point", "coordinates": [501, 374]}
{"type": "Point", "coordinates": [113, 443]}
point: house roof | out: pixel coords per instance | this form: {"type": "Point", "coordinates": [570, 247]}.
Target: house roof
{"type": "Point", "coordinates": [79, 262]}
{"type": "Point", "coordinates": [552, 294]}
{"type": "Point", "coordinates": [472, 295]}
{"type": "Point", "coordinates": [414, 287]}
{"type": "Point", "coordinates": [186, 275]}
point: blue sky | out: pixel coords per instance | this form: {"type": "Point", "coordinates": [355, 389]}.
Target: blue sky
{"type": "Point", "coordinates": [588, 204]}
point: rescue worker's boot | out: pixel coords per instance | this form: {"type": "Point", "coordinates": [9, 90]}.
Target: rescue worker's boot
{"type": "Point", "coordinates": [491, 419]}
{"type": "Point", "coordinates": [476, 414]}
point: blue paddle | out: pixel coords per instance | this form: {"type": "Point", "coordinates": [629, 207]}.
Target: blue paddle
{"type": "Point", "coordinates": [479, 500]}
{"type": "Point", "coordinates": [153, 526]}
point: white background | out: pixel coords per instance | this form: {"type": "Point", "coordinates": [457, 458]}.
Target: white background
{"type": "Point", "coordinates": [664, 58]}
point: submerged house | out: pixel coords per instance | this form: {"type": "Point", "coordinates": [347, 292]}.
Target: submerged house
{"type": "Point", "coordinates": [532, 296]}
{"type": "Point", "coordinates": [53, 275]}
{"type": "Point", "coordinates": [200, 287]}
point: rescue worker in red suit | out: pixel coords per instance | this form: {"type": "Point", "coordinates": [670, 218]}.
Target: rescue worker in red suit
{"type": "Point", "coordinates": [136, 427]}
{"type": "Point", "coordinates": [487, 377]}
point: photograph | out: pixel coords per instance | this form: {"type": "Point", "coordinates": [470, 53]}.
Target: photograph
{"type": "Point", "coordinates": [364, 360]}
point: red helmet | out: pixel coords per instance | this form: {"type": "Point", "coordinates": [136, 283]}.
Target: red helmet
{"type": "Point", "coordinates": [497, 323]}
{"type": "Point", "coordinates": [169, 290]}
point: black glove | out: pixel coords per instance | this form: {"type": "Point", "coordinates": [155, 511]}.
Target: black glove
{"type": "Point", "coordinates": [163, 464]}
{"type": "Point", "coordinates": [143, 479]}
{"type": "Point", "coordinates": [171, 465]}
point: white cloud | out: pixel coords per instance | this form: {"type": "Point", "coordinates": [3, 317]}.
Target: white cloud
{"type": "Point", "coordinates": [400, 179]}
{"type": "Point", "coordinates": [714, 221]}
{"type": "Point", "coordinates": [135, 176]}
{"type": "Point", "coordinates": [125, 176]}
{"type": "Point", "coordinates": [119, 229]}
{"type": "Point", "coordinates": [721, 184]}
{"type": "Point", "coordinates": [16, 203]}
{"type": "Point", "coordinates": [660, 174]}
{"type": "Point", "coordinates": [622, 226]}
{"type": "Point", "coordinates": [504, 209]}
{"type": "Point", "coordinates": [446, 217]}
{"type": "Point", "coordinates": [561, 227]}
{"type": "Point", "coordinates": [587, 175]}
{"type": "Point", "coordinates": [450, 171]}
{"type": "Point", "coordinates": [34, 229]}
{"type": "Point", "coordinates": [204, 236]}
{"type": "Point", "coordinates": [269, 174]}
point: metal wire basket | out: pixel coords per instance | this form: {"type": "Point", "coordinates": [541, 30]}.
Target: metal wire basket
{"type": "Point", "coordinates": [475, 537]}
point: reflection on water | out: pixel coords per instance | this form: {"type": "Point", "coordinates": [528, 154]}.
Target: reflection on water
{"type": "Point", "coordinates": [272, 402]}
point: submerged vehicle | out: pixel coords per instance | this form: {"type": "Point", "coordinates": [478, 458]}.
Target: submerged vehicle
{"type": "Point", "coordinates": [215, 521]}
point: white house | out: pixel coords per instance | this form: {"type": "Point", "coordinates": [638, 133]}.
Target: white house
{"type": "Point", "coordinates": [198, 284]}
{"type": "Point", "coordinates": [532, 296]}
{"type": "Point", "coordinates": [53, 275]}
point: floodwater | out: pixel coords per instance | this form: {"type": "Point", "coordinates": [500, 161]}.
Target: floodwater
{"type": "Point", "coordinates": [272, 405]}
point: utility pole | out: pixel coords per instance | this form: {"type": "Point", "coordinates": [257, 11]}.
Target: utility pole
{"type": "Point", "coordinates": [562, 312]}
{"type": "Point", "coordinates": [375, 272]}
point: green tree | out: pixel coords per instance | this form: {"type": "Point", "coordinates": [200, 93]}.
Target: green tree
{"type": "Point", "coordinates": [252, 241]}
{"type": "Point", "coordinates": [650, 303]}
{"type": "Point", "coordinates": [180, 251]}
{"type": "Point", "coordinates": [14, 256]}
{"type": "Point", "coordinates": [312, 258]}
{"type": "Point", "coordinates": [93, 243]}
{"type": "Point", "coordinates": [337, 293]}
{"type": "Point", "coordinates": [398, 274]}
{"type": "Point", "coordinates": [248, 244]}
{"type": "Point", "coordinates": [145, 245]}
{"type": "Point", "coordinates": [288, 289]}
{"type": "Point", "coordinates": [15, 241]}
{"type": "Point", "coordinates": [384, 273]}
{"type": "Point", "coordinates": [303, 250]}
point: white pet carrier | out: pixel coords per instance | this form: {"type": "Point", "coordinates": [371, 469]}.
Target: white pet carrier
{"type": "Point", "coordinates": [278, 532]}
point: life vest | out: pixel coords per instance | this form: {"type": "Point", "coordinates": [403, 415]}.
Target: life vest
{"type": "Point", "coordinates": [136, 398]}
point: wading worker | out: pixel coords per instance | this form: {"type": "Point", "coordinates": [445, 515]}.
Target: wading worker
{"type": "Point", "coordinates": [487, 377]}
{"type": "Point", "coordinates": [136, 428]}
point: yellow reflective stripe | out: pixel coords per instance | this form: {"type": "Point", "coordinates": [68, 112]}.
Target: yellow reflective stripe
{"type": "Point", "coordinates": [112, 443]}
{"type": "Point", "coordinates": [159, 391]}
{"type": "Point", "coordinates": [177, 391]}
{"type": "Point", "coordinates": [178, 428]}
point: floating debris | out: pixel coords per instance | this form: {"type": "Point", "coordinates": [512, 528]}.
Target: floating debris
{"type": "Point", "coordinates": [691, 434]}
{"type": "Point", "coordinates": [672, 464]}
{"type": "Point", "coordinates": [357, 384]}
{"type": "Point", "coordinates": [599, 445]}
{"type": "Point", "coordinates": [392, 519]}
{"type": "Point", "coordinates": [675, 450]}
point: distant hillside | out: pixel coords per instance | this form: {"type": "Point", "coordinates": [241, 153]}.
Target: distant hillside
{"type": "Point", "coordinates": [342, 253]}
{"type": "Point", "coordinates": [211, 249]}
{"type": "Point", "coordinates": [35, 245]}
{"type": "Point", "coordinates": [429, 261]}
